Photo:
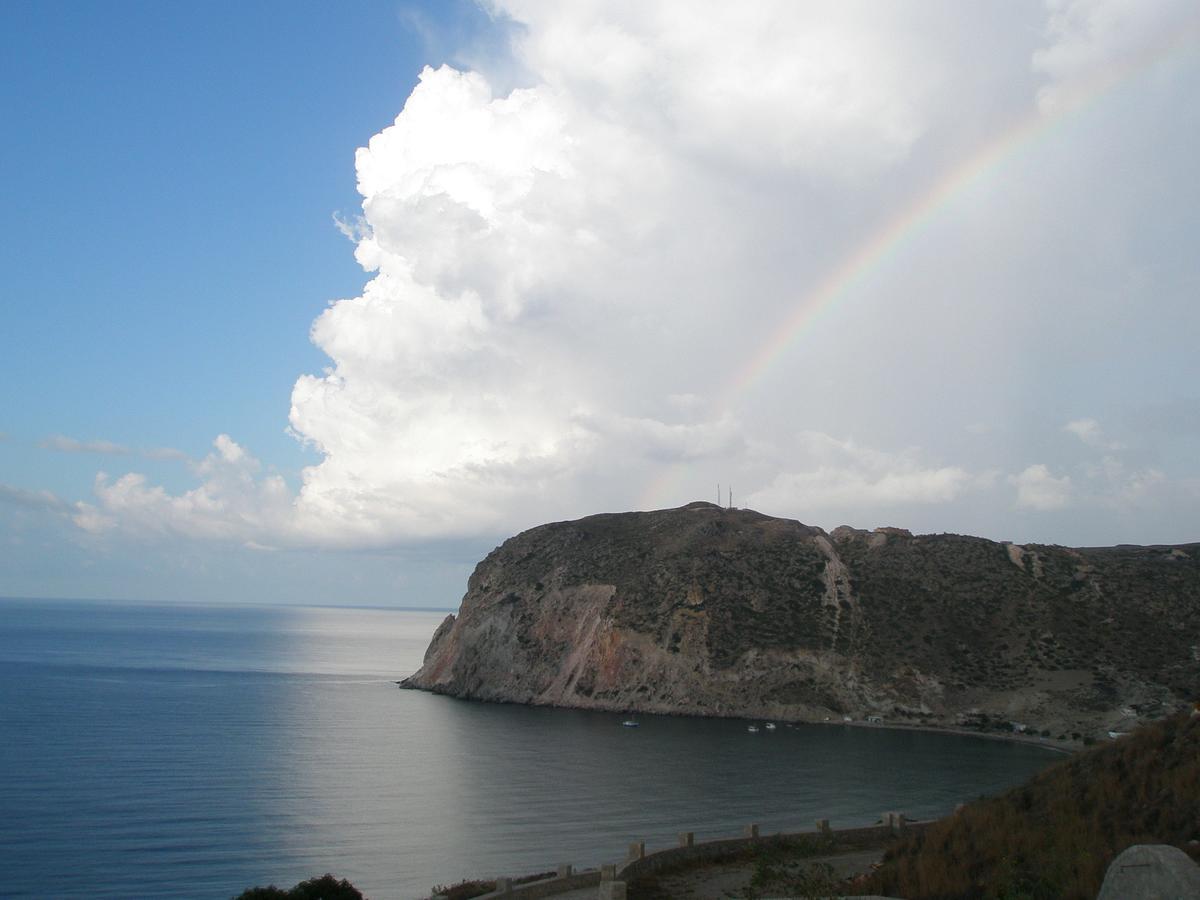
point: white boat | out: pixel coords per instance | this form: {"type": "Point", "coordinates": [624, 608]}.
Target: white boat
{"type": "Point", "coordinates": [770, 726]}
{"type": "Point", "coordinates": [629, 723]}
{"type": "Point", "coordinates": [753, 729]}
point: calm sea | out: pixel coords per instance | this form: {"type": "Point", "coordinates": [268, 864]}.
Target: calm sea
{"type": "Point", "coordinates": [181, 751]}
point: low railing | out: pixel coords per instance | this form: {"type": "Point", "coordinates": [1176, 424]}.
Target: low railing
{"type": "Point", "coordinates": [610, 880]}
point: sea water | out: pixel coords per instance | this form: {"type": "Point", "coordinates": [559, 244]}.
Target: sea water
{"type": "Point", "coordinates": [184, 751]}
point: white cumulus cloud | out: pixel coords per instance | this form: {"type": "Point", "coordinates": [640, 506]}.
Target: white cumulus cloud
{"type": "Point", "coordinates": [232, 502]}
{"type": "Point", "coordinates": [841, 477]}
{"type": "Point", "coordinates": [566, 279]}
{"type": "Point", "coordinates": [1038, 489]}
{"type": "Point", "coordinates": [1087, 430]}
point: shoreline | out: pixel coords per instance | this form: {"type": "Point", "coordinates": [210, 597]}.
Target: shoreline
{"type": "Point", "coordinates": [1064, 747]}
{"type": "Point", "coordinates": [1067, 748]}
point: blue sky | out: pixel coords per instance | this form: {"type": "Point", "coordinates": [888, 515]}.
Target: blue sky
{"type": "Point", "coordinates": [542, 297]}
{"type": "Point", "coordinates": [171, 174]}
{"type": "Point", "coordinates": [172, 170]}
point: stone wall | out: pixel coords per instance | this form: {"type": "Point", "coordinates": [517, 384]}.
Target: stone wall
{"type": "Point", "coordinates": [639, 863]}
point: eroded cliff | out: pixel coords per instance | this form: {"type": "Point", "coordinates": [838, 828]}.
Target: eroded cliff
{"type": "Point", "coordinates": [729, 612]}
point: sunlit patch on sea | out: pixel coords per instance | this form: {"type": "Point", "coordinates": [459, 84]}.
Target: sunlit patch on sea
{"type": "Point", "coordinates": [196, 751]}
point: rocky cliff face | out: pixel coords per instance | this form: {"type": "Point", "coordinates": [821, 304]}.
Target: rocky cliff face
{"type": "Point", "coordinates": [729, 612]}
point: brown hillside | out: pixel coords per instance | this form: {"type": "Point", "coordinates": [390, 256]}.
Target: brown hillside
{"type": "Point", "coordinates": [1055, 836]}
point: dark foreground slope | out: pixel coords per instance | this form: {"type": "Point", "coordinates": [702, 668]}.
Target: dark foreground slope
{"type": "Point", "coordinates": [729, 612]}
{"type": "Point", "coordinates": [1055, 836]}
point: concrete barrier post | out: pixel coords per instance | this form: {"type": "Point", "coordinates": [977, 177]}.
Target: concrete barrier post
{"type": "Point", "coordinates": [687, 838]}
{"type": "Point", "coordinates": [751, 831]}
{"type": "Point", "coordinates": [612, 890]}
{"type": "Point", "coordinates": [1150, 870]}
{"type": "Point", "coordinates": [608, 872]}
{"type": "Point", "coordinates": [637, 850]}
{"type": "Point", "coordinates": [823, 826]}
{"type": "Point", "coordinates": [504, 885]}
{"type": "Point", "coordinates": [565, 870]}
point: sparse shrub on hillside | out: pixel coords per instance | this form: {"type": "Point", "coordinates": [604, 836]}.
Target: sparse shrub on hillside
{"type": "Point", "coordinates": [1055, 836]}
{"type": "Point", "coordinates": [774, 877]}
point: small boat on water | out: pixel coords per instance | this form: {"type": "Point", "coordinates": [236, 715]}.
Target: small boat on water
{"type": "Point", "coordinates": [753, 729]}
{"type": "Point", "coordinates": [630, 723]}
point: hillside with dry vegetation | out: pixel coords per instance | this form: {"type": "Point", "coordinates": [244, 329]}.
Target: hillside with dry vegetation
{"type": "Point", "coordinates": [1055, 836]}
{"type": "Point", "coordinates": [713, 611]}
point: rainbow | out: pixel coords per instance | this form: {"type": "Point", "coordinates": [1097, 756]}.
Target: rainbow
{"type": "Point", "coordinates": [887, 241]}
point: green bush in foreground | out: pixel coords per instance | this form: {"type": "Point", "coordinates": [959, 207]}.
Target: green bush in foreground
{"type": "Point", "coordinates": [1055, 836]}
{"type": "Point", "coordinates": [324, 888]}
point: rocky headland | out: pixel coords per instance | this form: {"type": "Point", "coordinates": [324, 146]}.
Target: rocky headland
{"type": "Point", "coordinates": [718, 612]}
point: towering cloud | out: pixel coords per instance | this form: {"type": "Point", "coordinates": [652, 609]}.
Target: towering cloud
{"type": "Point", "coordinates": [567, 279]}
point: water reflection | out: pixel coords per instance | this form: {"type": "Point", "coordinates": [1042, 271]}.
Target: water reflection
{"type": "Point", "coordinates": [595, 786]}
{"type": "Point", "coordinates": [195, 752]}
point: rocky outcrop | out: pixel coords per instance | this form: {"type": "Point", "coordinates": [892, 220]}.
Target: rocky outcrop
{"type": "Point", "coordinates": [710, 611]}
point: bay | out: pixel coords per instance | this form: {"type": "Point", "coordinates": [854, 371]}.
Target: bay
{"type": "Point", "coordinates": [184, 751]}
